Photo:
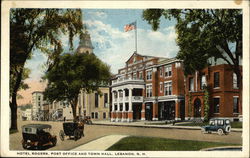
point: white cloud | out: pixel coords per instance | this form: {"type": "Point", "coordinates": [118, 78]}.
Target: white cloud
{"type": "Point", "coordinates": [98, 14]}
{"type": "Point", "coordinates": [115, 47]}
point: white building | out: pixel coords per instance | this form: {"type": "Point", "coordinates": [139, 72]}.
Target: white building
{"type": "Point", "coordinates": [27, 115]}
{"type": "Point", "coordinates": [37, 102]}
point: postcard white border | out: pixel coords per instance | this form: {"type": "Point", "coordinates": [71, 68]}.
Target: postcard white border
{"type": "Point", "coordinates": [6, 5]}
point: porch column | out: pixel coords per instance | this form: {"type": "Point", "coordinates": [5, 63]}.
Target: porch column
{"type": "Point", "coordinates": [113, 107]}
{"type": "Point", "coordinates": [118, 106]}
{"type": "Point", "coordinates": [123, 106]}
{"type": "Point", "coordinates": [177, 109]}
{"type": "Point", "coordinates": [143, 111]}
{"type": "Point", "coordinates": [130, 111]}
{"type": "Point", "coordinates": [155, 110]}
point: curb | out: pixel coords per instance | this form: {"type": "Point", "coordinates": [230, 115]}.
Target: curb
{"type": "Point", "coordinates": [155, 126]}
{"type": "Point", "coordinates": [222, 147]}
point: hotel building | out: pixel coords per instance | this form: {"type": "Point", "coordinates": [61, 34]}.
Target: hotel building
{"type": "Point", "coordinates": [148, 88]}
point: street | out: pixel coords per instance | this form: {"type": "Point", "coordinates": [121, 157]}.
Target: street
{"type": "Point", "coordinates": [93, 132]}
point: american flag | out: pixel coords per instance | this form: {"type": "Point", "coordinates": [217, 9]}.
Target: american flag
{"type": "Point", "coordinates": [130, 26]}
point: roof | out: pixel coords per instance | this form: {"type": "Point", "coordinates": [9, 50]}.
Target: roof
{"type": "Point", "coordinates": [37, 92]}
{"type": "Point", "coordinates": [38, 126]}
{"type": "Point", "coordinates": [145, 56]}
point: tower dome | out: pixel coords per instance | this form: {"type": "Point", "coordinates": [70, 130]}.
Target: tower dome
{"type": "Point", "coordinates": [85, 44]}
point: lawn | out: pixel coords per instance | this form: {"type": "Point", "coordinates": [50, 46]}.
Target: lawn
{"type": "Point", "coordinates": [162, 144]}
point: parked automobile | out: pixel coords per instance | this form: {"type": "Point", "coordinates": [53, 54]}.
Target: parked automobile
{"type": "Point", "coordinates": [72, 129]}
{"type": "Point", "coordinates": [221, 126]}
{"type": "Point", "coordinates": [37, 136]}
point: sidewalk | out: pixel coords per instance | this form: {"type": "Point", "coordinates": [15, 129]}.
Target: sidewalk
{"type": "Point", "coordinates": [151, 124]}
{"type": "Point", "coordinates": [100, 144]}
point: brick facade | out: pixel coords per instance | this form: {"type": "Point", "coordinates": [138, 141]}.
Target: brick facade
{"type": "Point", "coordinates": [148, 88]}
{"type": "Point", "coordinates": [224, 93]}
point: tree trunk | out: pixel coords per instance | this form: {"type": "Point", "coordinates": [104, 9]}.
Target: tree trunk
{"type": "Point", "coordinates": [13, 107]}
{"type": "Point", "coordinates": [13, 104]}
{"type": "Point", "coordinates": [74, 106]}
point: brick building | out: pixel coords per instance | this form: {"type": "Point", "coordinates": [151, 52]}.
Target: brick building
{"type": "Point", "coordinates": [224, 94]}
{"type": "Point", "coordinates": [148, 88]}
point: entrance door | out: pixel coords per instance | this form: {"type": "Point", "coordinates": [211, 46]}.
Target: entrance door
{"type": "Point", "coordinates": [170, 110]}
{"type": "Point", "coordinates": [162, 111]}
{"type": "Point", "coordinates": [148, 111]}
{"type": "Point", "coordinates": [182, 110]}
{"type": "Point", "coordinates": [137, 111]}
{"type": "Point", "coordinates": [197, 107]}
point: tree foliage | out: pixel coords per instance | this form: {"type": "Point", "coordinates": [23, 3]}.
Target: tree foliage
{"type": "Point", "coordinates": [206, 104]}
{"type": "Point", "coordinates": [203, 33]}
{"type": "Point", "coordinates": [72, 73]}
{"type": "Point", "coordinates": [37, 29]}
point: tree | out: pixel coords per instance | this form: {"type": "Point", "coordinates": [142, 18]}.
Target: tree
{"type": "Point", "coordinates": [37, 29]}
{"type": "Point", "coordinates": [206, 104]}
{"type": "Point", "coordinates": [75, 72]}
{"type": "Point", "coordinates": [202, 34]}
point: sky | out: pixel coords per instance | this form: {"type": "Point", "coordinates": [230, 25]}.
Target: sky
{"type": "Point", "coordinates": [111, 44]}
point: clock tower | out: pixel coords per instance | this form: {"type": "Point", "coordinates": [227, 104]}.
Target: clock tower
{"type": "Point", "coordinates": [85, 44]}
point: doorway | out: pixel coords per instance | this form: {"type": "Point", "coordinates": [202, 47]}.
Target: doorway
{"type": "Point", "coordinates": [197, 107]}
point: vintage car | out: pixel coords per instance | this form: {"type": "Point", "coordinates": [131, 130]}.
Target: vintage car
{"type": "Point", "coordinates": [37, 136]}
{"type": "Point", "coordinates": [221, 126]}
{"type": "Point", "coordinates": [72, 129]}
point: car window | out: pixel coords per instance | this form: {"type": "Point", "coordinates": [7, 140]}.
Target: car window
{"type": "Point", "coordinates": [211, 123]}
{"type": "Point", "coordinates": [220, 122]}
{"type": "Point", "coordinates": [28, 130]}
{"type": "Point", "coordinates": [215, 122]}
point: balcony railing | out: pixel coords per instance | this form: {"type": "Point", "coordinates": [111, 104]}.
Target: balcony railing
{"type": "Point", "coordinates": [122, 80]}
{"type": "Point", "coordinates": [137, 98]}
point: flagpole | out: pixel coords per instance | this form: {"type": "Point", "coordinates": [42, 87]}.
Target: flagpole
{"type": "Point", "coordinates": [136, 36]}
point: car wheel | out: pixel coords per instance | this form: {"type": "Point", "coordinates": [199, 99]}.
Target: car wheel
{"type": "Point", "coordinates": [61, 135]}
{"type": "Point", "coordinates": [220, 131]}
{"type": "Point", "coordinates": [228, 129]}
{"type": "Point", "coordinates": [25, 145]}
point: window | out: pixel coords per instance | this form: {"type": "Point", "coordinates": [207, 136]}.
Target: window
{"type": "Point", "coordinates": [105, 99]}
{"type": "Point", "coordinates": [161, 87]}
{"type": "Point", "coordinates": [191, 84]}
{"type": "Point", "coordinates": [168, 88]}
{"type": "Point", "coordinates": [96, 115]}
{"type": "Point", "coordinates": [160, 69]}
{"type": "Point", "coordinates": [140, 75]}
{"type": "Point", "coordinates": [203, 82]}
{"type": "Point", "coordinates": [92, 115]}
{"type": "Point", "coordinates": [39, 104]}
{"type": "Point", "coordinates": [236, 105]}
{"type": "Point", "coordinates": [216, 79]}
{"type": "Point", "coordinates": [134, 75]}
{"type": "Point", "coordinates": [235, 81]}
{"type": "Point", "coordinates": [134, 60]}
{"type": "Point", "coordinates": [149, 90]}
{"type": "Point", "coordinates": [216, 105]}
{"type": "Point", "coordinates": [104, 115]}
{"type": "Point", "coordinates": [149, 75]}
{"type": "Point", "coordinates": [168, 71]}
{"type": "Point", "coordinates": [39, 97]}
{"type": "Point", "coordinates": [96, 100]}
